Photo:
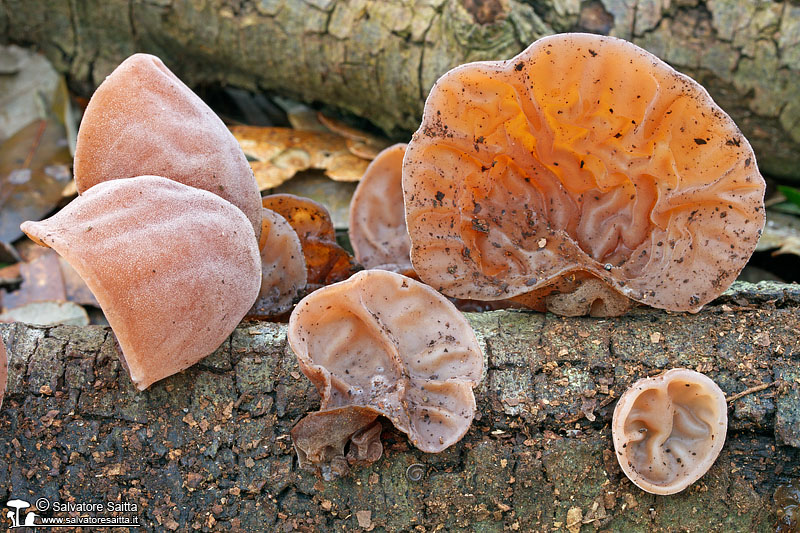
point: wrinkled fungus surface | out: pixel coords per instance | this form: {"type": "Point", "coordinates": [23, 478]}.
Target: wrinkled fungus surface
{"type": "Point", "coordinates": [144, 120]}
{"type": "Point", "coordinates": [333, 439]}
{"type": "Point", "coordinates": [326, 261]}
{"type": "Point", "coordinates": [377, 229]}
{"type": "Point", "coordinates": [668, 430]}
{"type": "Point", "coordinates": [174, 268]}
{"type": "Point", "coordinates": [583, 156]}
{"type": "Point", "coordinates": [385, 342]}
{"type": "Point", "coordinates": [283, 268]}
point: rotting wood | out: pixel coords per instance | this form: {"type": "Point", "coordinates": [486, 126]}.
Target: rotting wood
{"type": "Point", "coordinates": [378, 59]}
{"type": "Point", "coordinates": [209, 449]}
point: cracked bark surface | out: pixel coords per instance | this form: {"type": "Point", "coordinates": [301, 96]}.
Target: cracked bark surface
{"type": "Point", "coordinates": [378, 59]}
{"type": "Point", "coordinates": [209, 449]}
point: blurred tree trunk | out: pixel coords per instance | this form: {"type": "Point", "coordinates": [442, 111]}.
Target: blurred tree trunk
{"type": "Point", "coordinates": [209, 449]}
{"type": "Point", "coordinates": [378, 59]}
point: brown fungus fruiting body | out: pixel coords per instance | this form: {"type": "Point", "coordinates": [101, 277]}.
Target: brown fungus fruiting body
{"type": "Point", "coordinates": [377, 229]}
{"type": "Point", "coordinates": [331, 440]}
{"type": "Point", "coordinates": [584, 156]}
{"type": "Point", "coordinates": [669, 429]}
{"type": "Point", "coordinates": [283, 267]}
{"type": "Point", "coordinates": [144, 120]}
{"type": "Point", "coordinates": [393, 345]}
{"type": "Point", "coordinates": [173, 267]}
{"type": "Point", "coordinates": [326, 261]}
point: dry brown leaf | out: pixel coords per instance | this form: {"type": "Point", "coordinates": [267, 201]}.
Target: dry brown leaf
{"type": "Point", "coordinates": [282, 152]}
{"type": "Point", "coordinates": [360, 143]}
{"type": "Point", "coordinates": [781, 231]}
{"type": "Point", "coordinates": [47, 313]}
{"type": "Point", "coordinates": [34, 168]}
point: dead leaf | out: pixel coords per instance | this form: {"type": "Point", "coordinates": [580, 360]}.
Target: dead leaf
{"type": "Point", "coordinates": [41, 282]}
{"type": "Point", "coordinates": [334, 195]}
{"type": "Point", "coordinates": [48, 313]}
{"type": "Point", "coordinates": [282, 152]}
{"type": "Point", "coordinates": [28, 86]}
{"type": "Point", "coordinates": [781, 231]}
{"type": "Point", "coordinates": [46, 276]}
{"type": "Point", "coordinates": [34, 169]}
{"type": "Point", "coordinates": [360, 143]}
{"type": "Point", "coordinates": [364, 519]}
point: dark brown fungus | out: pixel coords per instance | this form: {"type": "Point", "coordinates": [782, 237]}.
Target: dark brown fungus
{"type": "Point", "coordinates": [322, 439]}
{"type": "Point", "coordinates": [579, 159]}
{"type": "Point", "coordinates": [394, 346]}
{"type": "Point", "coordinates": [326, 261]}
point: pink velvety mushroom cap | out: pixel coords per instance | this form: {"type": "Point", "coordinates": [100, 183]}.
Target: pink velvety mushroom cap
{"type": "Point", "coordinates": [173, 267]}
{"type": "Point", "coordinates": [669, 429]}
{"type": "Point", "coordinates": [584, 157]}
{"type": "Point", "coordinates": [143, 120]}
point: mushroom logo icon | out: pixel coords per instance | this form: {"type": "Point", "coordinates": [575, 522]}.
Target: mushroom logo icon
{"type": "Point", "coordinates": [13, 516]}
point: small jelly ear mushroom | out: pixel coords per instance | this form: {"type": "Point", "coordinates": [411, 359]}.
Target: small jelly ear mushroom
{"type": "Point", "coordinates": [174, 268]}
{"type": "Point", "coordinates": [669, 429]}
{"type": "Point", "coordinates": [326, 261]}
{"type": "Point", "coordinates": [3, 370]}
{"type": "Point", "coordinates": [610, 165]}
{"type": "Point", "coordinates": [321, 437]}
{"type": "Point", "coordinates": [283, 267]}
{"type": "Point", "coordinates": [392, 344]}
{"type": "Point", "coordinates": [143, 120]}
{"type": "Point", "coordinates": [592, 297]}
{"type": "Point", "coordinates": [377, 230]}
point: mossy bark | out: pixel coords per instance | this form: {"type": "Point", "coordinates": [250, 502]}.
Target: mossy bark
{"type": "Point", "coordinates": [209, 449]}
{"type": "Point", "coordinates": [379, 59]}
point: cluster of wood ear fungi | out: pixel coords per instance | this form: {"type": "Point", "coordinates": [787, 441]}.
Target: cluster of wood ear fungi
{"type": "Point", "coordinates": [584, 176]}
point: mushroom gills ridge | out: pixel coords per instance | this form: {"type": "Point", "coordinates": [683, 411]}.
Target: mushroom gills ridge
{"type": "Point", "coordinates": [388, 343]}
{"type": "Point", "coordinates": [587, 156]}
{"type": "Point", "coordinates": [283, 267]}
{"type": "Point", "coordinates": [144, 120]}
{"type": "Point", "coordinates": [668, 430]}
{"type": "Point", "coordinates": [173, 267]}
{"type": "Point", "coordinates": [377, 226]}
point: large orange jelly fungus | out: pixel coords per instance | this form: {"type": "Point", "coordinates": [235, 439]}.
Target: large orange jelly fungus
{"type": "Point", "coordinates": [584, 157]}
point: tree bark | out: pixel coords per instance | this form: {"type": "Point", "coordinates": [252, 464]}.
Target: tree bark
{"type": "Point", "coordinates": [379, 59]}
{"type": "Point", "coordinates": [209, 449]}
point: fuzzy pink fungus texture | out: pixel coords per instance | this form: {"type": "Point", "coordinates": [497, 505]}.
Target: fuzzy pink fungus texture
{"type": "Point", "coordinates": [173, 267]}
{"type": "Point", "coordinates": [144, 120]}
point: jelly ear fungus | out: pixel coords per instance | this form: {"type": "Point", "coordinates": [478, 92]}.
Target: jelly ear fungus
{"type": "Point", "coordinates": [143, 120]}
{"type": "Point", "coordinates": [583, 158]}
{"type": "Point", "coordinates": [173, 267]}
{"type": "Point", "coordinates": [393, 347]}
{"type": "Point", "coordinates": [669, 429]}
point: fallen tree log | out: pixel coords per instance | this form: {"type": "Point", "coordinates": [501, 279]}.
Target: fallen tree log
{"type": "Point", "coordinates": [378, 60]}
{"type": "Point", "coordinates": [209, 449]}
